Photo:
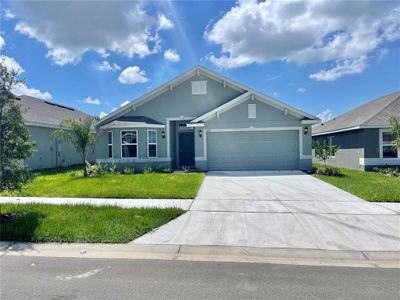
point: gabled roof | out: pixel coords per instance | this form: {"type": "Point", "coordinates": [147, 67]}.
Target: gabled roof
{"type": "Point", "coordinates": [210, 74]}
{"type": "Point", "coordinates": [47, 113]}
{"type": "Point", "coordinates": [135, 121]}
{"type": "Point", "coordinates": [374, 114]}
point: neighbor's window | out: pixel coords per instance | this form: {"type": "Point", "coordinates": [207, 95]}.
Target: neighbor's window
{"type": "Point", "coordinates": [110, 144]}
{"type": "Point", "coordinates": [151, 143]}
{"type": "Point", "coordinates": [129, 144]}
{"type": "Point", "coordinates": [252, 111]}
{"type": "Point", "coordinates": [387, 147]}
{"type": "Point", "coordinates": [199, 87]}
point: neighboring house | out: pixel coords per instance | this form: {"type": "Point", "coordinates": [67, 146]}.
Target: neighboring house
{"type": "Point", "coordinates": [363, 135]}
{"type": "Point", "coordinates": [42, 118]}
{"type": "Point", "coordinates": [205, 120]}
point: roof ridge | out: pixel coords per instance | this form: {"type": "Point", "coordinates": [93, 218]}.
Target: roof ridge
{"type": "Point", "coordinates": [384, 107]}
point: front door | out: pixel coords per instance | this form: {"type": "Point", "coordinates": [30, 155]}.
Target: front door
{"type": "Point", "coordinates": [186, 148]}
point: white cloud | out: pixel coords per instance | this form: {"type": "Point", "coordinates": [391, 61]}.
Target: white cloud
{"type": "Point", "coordinates": [23, 89]}
{"type": "Point", "coordinates": [2, 42]}
{"type": "Point", "coordinates": [69, 30]}
{"type": "Point", "coordinates": [93, 101]}
{"type": "Point", "coordinates": [326, 115]}
{"type": "Point", "coordinates": [303, 32]}
{"type": "Point", "coordinates": [11, 64]}
{"type": "Point", "coordinates": [106, 66]}
{"type": "Point", "coordinates": [164, 22]}
{"type": "Point", "coordinates": [132, 75]}
{"type": "Point", "coordinates": [102, 114]}
{"type": "Point", "coordinates": [172, 55]}
{"type": "Point", "coordinates": [125, 103]}
{"type": "Point", "coordinates": [8, 14]}
{"type": "Point", "coordinates": [301, 90]}
{"type": "Point", "coordinates": [346, 67]}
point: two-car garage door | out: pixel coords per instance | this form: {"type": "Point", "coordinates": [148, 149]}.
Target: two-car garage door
{"type": "Point", "coordinates": [253, 150]}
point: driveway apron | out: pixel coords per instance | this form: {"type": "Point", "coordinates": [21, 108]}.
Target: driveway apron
{"type": "Point", "coordinates": [280, 209]}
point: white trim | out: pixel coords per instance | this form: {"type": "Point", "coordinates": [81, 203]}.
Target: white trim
{"type": "Point", "coordinates": [310, 122]}
{"type": "Point", "coordinates": [133, 160]}
{"type": "Point", "coordinates": [299, 129]}
{"type": "Point", "coordinates": [133, 126]}
{"type": "Point", "coordinates": [352, 128]}
{"type": "Point", "coordinates": [379, 161]}
{"type": "Point", "coordinates": [112, 145]}
{"type": "Point", "coordinates": [168, 130]}
{"type": "Point", "coordinates": [195, 125]}
{"type": "Point", "coordinates": [137, 144]}
{"type": "Point", "coordinates": [189, 74]}
{"type": "Point", "coordinates": [381, 131]}
{"type": "Point", "coordinates": [148, 143]}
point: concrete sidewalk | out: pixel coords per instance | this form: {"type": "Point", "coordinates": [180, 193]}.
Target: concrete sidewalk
{"type": "Point", "coordinates": [124, 203]}
{"type": "Point", "coordinates": [309, 257]}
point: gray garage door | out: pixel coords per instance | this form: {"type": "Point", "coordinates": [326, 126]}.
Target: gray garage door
{"type": "Point", "coordinates": [256, 150]}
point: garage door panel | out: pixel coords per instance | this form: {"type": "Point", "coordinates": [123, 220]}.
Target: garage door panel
{"type": "Point", "coordinates": [256, 150]}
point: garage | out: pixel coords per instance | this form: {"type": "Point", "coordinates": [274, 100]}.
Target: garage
{"type": "Point", "coordinates": [253, 150]}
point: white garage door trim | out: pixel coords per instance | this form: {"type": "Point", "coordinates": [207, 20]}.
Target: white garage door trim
{"type": "Point", "coordinates": [300, 129]}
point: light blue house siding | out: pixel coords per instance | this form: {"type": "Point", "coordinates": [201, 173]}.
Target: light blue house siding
{"type": "Point", "coordinates": [275, 139]}
{"type": "Point", "coordinates": [50, 153]}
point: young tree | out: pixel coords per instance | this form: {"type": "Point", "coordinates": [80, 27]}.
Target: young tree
{"type": "Point", "coordinates": [395, 122]}
{"type": "Point", "coordinates": [80, 135]}
{"type": "Point", "coordinates": [324, 152]}
{"type": "Point", "coordinates": [14, 136]}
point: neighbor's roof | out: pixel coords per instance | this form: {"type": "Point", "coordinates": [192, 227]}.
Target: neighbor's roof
{"type": "Point", "coordinates": [42, 112]}
{"type": "Point", "coordinates": [373, 114]}
{"type": "Point", "coordinates": [134, 121]}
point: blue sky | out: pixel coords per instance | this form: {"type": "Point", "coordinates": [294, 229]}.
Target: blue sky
{"type": "Point", "coordinates": [320, 56]}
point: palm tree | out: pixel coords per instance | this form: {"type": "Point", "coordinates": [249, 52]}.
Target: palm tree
{"type": "Point", "coordinates": [395, 122]}
{"type": "Point", "coordinates": [80, 135]}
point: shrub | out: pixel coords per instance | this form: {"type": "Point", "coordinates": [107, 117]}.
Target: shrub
{"type": "Point", "coordinates": [148, 170]}
{"type": "Point", "coordinates": [328, 171]}
{"type": "Point", "coordinates": [15, 175]}
{"type": "Point", "coordinates": [96, 169]}
{"type": "Point", "coordinates": [388, 171]}
{"type": "Point", "coordinates": [128, 170]}
{"type": "Point", "coordinates": [165, 170]}
{"type": "Point", "coordinates": [185, 169]}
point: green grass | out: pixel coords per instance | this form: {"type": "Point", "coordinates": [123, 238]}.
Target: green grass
{"type": "Point", "coordinates": [370, 186]}
{"type": "Point", "coordinates": [70, 183]}
{"type": "Point", "coordinates": [82, 223]}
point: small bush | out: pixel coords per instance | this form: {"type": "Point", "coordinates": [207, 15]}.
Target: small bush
{"type": "Point", "coordinates": [128, 170]}
{"type": "Point", "coordinates": [395, 172]}
{"type": "Point", "coordinates": [113, 169]}
{"type": "Point", "coordinates": [148, 170]}
{"type": "Point", "coordinates": [97, 169]}
{"type": "Point", "coordinates": [328, 171]}
{"type": "Point", "coordinates": [185, 169]}
{"type": "Point", "coordinates": [165, 170]}
{"type": "Point", "coordinates": [16, 175]}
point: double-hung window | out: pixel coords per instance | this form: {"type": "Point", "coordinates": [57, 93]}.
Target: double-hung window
{"type": "Point", "coordinates": [110, 144]}
{"type": "Point", "coordinates": [129, 144]}
{"type": "Point", "coordinates": [151, 143]}
{"type": "Point", "coordinates": [387, 150]}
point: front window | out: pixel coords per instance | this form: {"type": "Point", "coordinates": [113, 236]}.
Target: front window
{"type": "Point", "coordinates": [152, 143]}
{"type": "Point", "coordinates": [129, 144]}
{"type": "Point", "coordinates": [388, 151]}
{"type": "Point", "coordinates": [110, 144]}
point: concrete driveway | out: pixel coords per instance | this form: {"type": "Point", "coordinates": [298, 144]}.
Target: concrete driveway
{"type": "Point", "coordinates": [280, 209]}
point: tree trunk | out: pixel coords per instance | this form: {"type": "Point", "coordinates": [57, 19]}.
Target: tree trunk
{"type": "Point", "coordinates": [85, 172]}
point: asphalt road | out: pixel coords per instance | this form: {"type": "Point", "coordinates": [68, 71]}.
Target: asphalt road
{"type": "Point", "coordinates": [67, 278]}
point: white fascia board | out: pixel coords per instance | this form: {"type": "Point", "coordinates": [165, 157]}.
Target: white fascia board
{"type": "Point", "coordinates": [224, 107]}
{"type": "Point", "coordinates": [351, 128]}
{"type": "Point", "coordinates": [195, 125]}
{"type": "Point", "coordinates": [133, 126]}
{"type": "Point", "coordinates": [310, 122]}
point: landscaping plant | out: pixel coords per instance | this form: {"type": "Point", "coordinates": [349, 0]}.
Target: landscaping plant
{"type": "Point", "coordinates": [395, 122]}
{"type": "Point", "coordinates": [80, 135]}
{"type": "Point", "coordinates": [14, 136]}
{"type": "Point", "coordinates": [324, 152]}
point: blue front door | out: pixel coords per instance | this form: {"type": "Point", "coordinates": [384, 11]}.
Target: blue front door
{"type": "Point", "coordinates": [186, 148]}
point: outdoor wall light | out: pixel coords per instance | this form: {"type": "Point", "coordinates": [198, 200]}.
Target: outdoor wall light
{"type": "Point", "coordinates": [200, 133]}
{"type": "Point", "coordinates": [163, 134]}
{"type": "Point", "coordinates": [306, 130]}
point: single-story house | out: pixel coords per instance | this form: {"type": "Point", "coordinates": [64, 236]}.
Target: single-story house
{"type": "Point", "coordinates": [363, 134]}
{"type": "Point", "coordinates": [42, 118]}
{"type": "Point", "coordinates": [205, 120]}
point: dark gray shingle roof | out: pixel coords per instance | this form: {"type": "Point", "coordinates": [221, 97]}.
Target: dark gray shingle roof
{"type": "Point", "coordinates": [374, 113]}
{"type": "Point", "coordinates": [46, 112]}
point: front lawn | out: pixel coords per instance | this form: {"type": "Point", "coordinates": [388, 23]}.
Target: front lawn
{"type": "Point", "coordinates": [370, 186]}
{"type": "Point", "coordinates": [82, 223]}
{"type": "Point", "coordinates": [70, 183]}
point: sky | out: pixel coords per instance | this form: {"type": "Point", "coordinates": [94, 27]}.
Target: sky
{"type": "Point", "coordinates": [324, 57]}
